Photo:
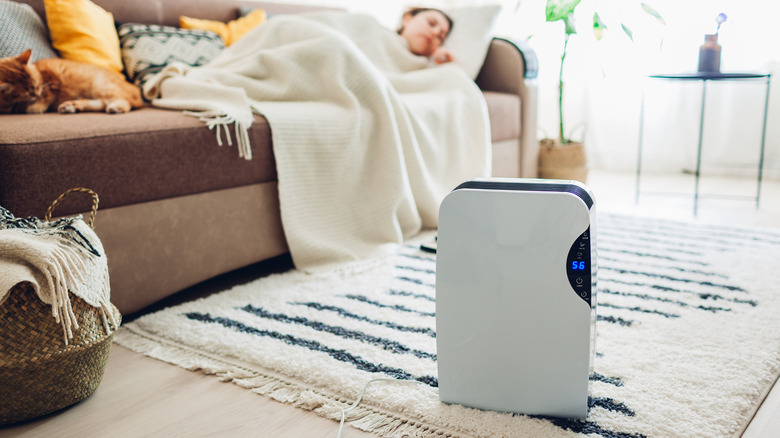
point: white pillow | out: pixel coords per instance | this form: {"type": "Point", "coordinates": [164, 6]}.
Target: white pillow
{"type": "Point", "coordinates": [472, 31]}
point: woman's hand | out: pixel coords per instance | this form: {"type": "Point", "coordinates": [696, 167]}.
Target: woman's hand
{"type": "Point", "coordinates": [442, 55]}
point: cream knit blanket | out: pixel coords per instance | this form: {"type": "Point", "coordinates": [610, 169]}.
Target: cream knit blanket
{"type": "Point", "coordinates": [55, 257]}
{"type": "Point", "coordinates": [367, 138]}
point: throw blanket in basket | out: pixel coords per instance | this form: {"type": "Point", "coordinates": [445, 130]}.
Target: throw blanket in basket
{"type": "Point", "coordinates": [56, 257]}
{"type": "Point", "coordinates": [368, 138]}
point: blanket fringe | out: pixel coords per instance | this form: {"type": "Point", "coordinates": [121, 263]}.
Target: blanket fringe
{"type": "Point", "coordinates": [63, 267]}
{"type": "Point", "coordinates": [220, 121]}
{"type": "Point", "coordinates": [65, 273]}
{"type": "Point", "coordinates": [366, 419]}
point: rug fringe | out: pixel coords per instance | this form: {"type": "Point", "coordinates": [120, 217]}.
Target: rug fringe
{"type": "Point", "coordinates": [291, 393]}
{"type": "Point", "coordinates": [385, 426]}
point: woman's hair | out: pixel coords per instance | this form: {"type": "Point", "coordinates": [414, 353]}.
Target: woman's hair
{"type": "Point", "coordinates": [414, 11]}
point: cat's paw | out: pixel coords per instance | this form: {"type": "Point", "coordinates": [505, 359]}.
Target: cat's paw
{"type": "Point", "coordinates": [117, 107]}
{"type": "Point", "coordinates": [37, 107]}
{"type": "Point", "coordinates": [67, 108]}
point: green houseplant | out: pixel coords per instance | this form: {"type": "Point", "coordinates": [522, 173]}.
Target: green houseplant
{"type": "Point", "coordinates": [564, 158]}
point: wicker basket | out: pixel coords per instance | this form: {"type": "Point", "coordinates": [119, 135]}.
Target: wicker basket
{"type": "Point", "coordinates": [39, 372]}
{"type": "Point", "coordinates": [567, 162]}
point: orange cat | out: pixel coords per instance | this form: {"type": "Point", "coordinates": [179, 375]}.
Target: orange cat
{"type": "Point", "coordinates": [56, 84]}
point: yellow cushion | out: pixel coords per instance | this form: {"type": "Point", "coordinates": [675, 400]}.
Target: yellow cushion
{"type": "Point", "coordinates": [83, 31]}
{"type": "Point", "coordinates": [231, 31]}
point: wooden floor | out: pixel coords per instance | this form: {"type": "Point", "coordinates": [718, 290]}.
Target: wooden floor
{"type": "Point", "coordinates": [142, 397]}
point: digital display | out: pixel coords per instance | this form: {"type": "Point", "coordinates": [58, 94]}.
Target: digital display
{"type": "Point", "coordinates": [578, 266]}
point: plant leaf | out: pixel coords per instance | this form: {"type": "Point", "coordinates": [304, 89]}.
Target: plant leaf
{"type": "Point", "coordinates": [598, 26]}
{"type": "Point", "coordinates": [627, 31]}
{"type": "Point", "coordinates": [569, 24]}
{"type": "Point", "coordinates": [649, 9]}
{"type": "Point", "coordinates": [560, 9]}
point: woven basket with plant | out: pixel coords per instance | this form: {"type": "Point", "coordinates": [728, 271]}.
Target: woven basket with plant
{"type": "Point", "coordinates": [56, 318]}
{"type": "Point", "coordinates": [562, 157]}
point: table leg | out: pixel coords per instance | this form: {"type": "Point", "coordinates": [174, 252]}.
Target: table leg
{"type": "Point", "coordinates": [698, 152]}
{"type": "Point", "coordinates": [639, 144]}
{"type": "Point", "coordinates": [763, 138]}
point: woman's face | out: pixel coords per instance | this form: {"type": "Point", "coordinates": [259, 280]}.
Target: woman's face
{"type": "Point", "coordinates": [425, 31]}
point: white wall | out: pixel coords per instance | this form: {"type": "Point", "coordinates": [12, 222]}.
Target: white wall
{"type": "Point", "coordinates": [606, 80]}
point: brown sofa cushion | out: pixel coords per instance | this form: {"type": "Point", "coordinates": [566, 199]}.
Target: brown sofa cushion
{"type": "Point", "coordinates": [152, 154]}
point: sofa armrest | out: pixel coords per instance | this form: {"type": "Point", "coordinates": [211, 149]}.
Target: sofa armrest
{"type": "Point", "coordinates": [512, 67]}
{"type": "Point", "coordinates": [507, 64]}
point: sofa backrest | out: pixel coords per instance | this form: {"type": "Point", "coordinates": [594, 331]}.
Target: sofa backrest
{"type": "Point", "coordinates": [167, 12]}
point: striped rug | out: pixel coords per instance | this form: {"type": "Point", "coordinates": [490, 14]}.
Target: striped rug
{"type": "Point", "coordinates": [688, 338]}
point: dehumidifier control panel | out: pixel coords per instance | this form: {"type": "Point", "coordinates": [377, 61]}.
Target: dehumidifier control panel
{"type": "Point", "coordinates": [578, 267]}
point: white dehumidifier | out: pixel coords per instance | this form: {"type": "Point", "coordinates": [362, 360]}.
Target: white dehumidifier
{"type": "Point", "coordinates": [516, 296]}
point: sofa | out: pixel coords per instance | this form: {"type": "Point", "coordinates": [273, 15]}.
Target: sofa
{"type": "Point", "coordinates": [175, 209]}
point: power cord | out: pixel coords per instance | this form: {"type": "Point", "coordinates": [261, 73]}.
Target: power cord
{"type": "Point", "coordinates": [360, 397]}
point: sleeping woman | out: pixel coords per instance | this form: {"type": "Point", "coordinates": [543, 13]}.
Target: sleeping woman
{"type": "Point", "coordinates": [425, 30]}
{"type": "Point", "coordinates": [368, 132]}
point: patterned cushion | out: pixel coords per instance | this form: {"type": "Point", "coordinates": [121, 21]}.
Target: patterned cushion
{"type": "Point", "coordinates": [146, 49]}
{"type": "Point", "coordinates": [21, 29]}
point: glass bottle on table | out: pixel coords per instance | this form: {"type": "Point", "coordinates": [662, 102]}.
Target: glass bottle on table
{"type": "Point", "coordinates": [709, 54]}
